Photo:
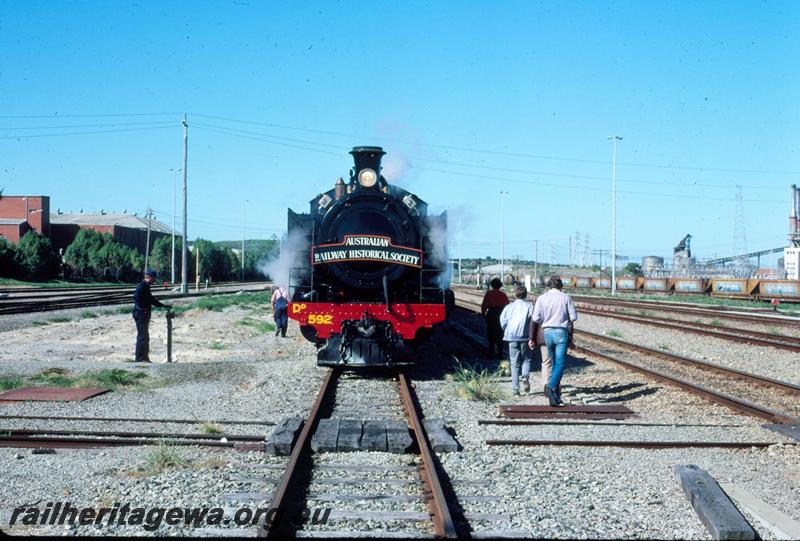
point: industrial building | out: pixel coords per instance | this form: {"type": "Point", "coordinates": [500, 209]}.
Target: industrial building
{"type": "Point", "coordinates": [20, 214]}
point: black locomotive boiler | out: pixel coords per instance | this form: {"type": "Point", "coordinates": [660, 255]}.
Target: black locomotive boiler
{"type": "Point", "coordinates": [370, 279]}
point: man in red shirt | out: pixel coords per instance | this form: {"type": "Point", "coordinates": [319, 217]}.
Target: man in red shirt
{"type": "Point", "coordinates": [492, 306]}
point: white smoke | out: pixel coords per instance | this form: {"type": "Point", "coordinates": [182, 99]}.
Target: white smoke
{"type": "Point", "coordinates": [395, 167]}
{"type": "Point", "coordinates": [438, 237]}
{"type": "Point", "coordinates": [294, 254]}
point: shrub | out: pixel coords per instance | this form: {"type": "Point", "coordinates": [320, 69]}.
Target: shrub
{"type": "Point", "coordinates": [35, 257]}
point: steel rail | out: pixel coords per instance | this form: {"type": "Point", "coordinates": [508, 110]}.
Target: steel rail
{"type": "Point", "coordinates": [88, 443]}
{"type": "Point", "coordinates": [733, 402]}
{"type": "Point", "coordinates": [748, 376]}
{"type": "Point", "coordinates": [301, 451]}
{"type": "Point", "coordinates": [139, 420]}
{"type": "Point", "coordinates": [112, 299]}
{"type": "Point", "coordinates": [636, 444]}
{"type": "Point", "coordinates": [143, 435]}
{"type": "Point", "coordinates": [696, 311]}
{"type": "Point", "coordinates": [750, 337]}
{"type": "Point", "coordinates": [444, 526]}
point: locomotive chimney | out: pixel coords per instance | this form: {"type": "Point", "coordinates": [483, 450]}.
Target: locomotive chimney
{"type": "Point", "coordinates": [368, 165]}
{"type": "Point", "coordinates": [339, 190]}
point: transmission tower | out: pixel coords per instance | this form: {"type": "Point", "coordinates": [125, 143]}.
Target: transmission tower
{"type": "Point", "coordinates": [741, 264]}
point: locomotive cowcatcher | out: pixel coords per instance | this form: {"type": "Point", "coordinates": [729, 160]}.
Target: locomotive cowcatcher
{"type": "Point", "coordinates": [368, 280]}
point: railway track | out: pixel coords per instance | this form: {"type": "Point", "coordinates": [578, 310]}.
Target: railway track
{"type": "Point", "coordinates": [746, 336]}
{"type": "Point", "coordinates": [788, 391]}
{"type": "Point", "coordinates": [47, 300]}
{"type": "Point", "coordinates": [765, 318]}
{"type": "Point", "coordinates": [302, 472]}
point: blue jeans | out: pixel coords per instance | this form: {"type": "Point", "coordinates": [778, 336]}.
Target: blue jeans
{"type": "Point", "coordinates": [519, 354]}
{"type": "Point", "coordinates": [557, 339]}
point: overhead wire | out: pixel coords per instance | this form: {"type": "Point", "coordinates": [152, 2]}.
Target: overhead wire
{"type": "Point", "coordinates": [502, 153]}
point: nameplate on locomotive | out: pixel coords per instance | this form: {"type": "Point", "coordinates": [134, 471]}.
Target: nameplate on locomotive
{"type": "Point", "coordinates": [366, 248]}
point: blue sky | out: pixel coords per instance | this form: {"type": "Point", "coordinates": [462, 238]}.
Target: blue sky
{"type": "Point", "coordinates": [468, 98]}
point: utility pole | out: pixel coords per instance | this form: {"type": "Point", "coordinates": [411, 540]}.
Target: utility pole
{"type": "Point", "coordinates": [614, 139]}
{"type": "Point", "coordinates": [147, 245]}
{"type": "Point", "coordinates": [536, 263]}
{"type": "Point", "coordinates": [185, 250]}
{"type": "Point", "coordinates": [502, 237]}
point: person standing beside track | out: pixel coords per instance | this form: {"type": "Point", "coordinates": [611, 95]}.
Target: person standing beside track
{"type": "Point", "coordinates": [516, 320]}
{"type": "Point", "coordinates": [555, 312]}
{"type": "Point", "coordinates": [143, 302]}
{"type": "Point", "coordinates": [280, 307]}
{"type": "Point", "coordinates": [492, 306]}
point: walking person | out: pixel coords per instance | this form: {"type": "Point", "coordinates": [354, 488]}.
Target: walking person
{"type": "Point", "coordinates": [280, 307]}
{"type": "Point", "coordinates": [492, 306]}
{"type": "Point", "coordinates": [515, 320]}
{"type": "Point", "coordinates": [539, 351]}
{"type": "Point", "coordinates": [143, 302]}
{"type": "Point", "coordinates": [555, 312]}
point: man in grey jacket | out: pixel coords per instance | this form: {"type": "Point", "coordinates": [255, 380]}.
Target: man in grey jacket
{"type": "Point", "coordinates": [515, 321]}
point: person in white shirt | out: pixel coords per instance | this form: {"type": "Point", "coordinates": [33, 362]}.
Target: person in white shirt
{"type": "Point", "coordinates": [515, 320]}
{"type": "Point", "coordinates": [555, 312]}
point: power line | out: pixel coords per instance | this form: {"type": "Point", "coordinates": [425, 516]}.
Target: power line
{"type": "Point", "coordinates": [497, 152]}
{"type": "Point", "coordinates": [57, 115]}
{"type": "Point", "coordinates": [38, 135]}
{"type": "Point", "coordinates": [151, 122]}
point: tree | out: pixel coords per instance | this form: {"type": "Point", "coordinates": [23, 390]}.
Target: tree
{"type": "Point", "coordinates": [98, 256]}
{"type": "Point", "coordinates": [633, 268]}
{"type": "Point", "coordinates": [161, 257]}
{"type": "Point", "coordinates": [35, 256]}
{"type": "Point", "coordinates": [8, 254]}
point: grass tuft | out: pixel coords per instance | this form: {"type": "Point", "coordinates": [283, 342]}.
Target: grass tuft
{"type": "Point", "coordinates": [261, 326]}
{"type": "Point", "coordinates": [210, 428]}
{"type": "Point", "coordinates": [718, 322]}
{"type": "Point", "coordinates": [10, 382]}
{"type": "Point", "coordinates": [163, 457]}
{"type": "Point", "coordinates": [88, 314]}
{"type": "Point", "coordinates": [217, 303]}
{"type": "Point", "coordinates": [663, 347]}
{"type": "Point", "coordinates": [60, 319]}
{"type": "Point", "coordinates": [473, 384]}
{"type": "Point", "coordinates": [113, 378]}
{"type": "Point", "coordinates": [217, 346]}
{"type": "Point", "coordinates": [40, 323]}
{"type": "Point", "coordinates": [613, 333]}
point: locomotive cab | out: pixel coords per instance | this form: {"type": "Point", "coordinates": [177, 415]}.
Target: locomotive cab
{"type": "Point", "coordinates": [369, 279]}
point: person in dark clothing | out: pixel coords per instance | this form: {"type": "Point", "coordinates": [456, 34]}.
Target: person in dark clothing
{"type": "Point", "coordinates": [143, 301]}
{"type": "Point", "coordinates": [280, 307]}
{"type": "Point", "coordinates": [492, 306]}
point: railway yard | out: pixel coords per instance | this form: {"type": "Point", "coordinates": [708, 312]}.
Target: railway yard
{"type": "Point", "coordinates": [647, 390]}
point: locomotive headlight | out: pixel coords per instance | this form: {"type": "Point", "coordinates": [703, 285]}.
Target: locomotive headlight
{"type": "Point", "coordinates": [367, 178]}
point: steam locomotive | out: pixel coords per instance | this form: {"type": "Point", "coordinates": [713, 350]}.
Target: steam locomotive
{"type": "Point", "coordinates": [369, 283]}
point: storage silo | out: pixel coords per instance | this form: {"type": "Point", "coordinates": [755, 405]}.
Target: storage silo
{"type": "Point", "coordinates": [651, 263]}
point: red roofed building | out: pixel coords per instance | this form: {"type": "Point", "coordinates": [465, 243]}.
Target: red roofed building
{"type": "Point", "coordinates": [20, 214]}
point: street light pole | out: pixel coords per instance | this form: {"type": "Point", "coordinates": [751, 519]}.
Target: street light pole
{"type": "Point", "coordinates": [614, 139]}
{"type": "Point", "coordinates": [185, 244]}
{"type": "Point", "coordinates": [502, 237]}
{"type": "Point", "coordinates": [243, 203]}
{"type": "Point", "coordinates": [174, 210]}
